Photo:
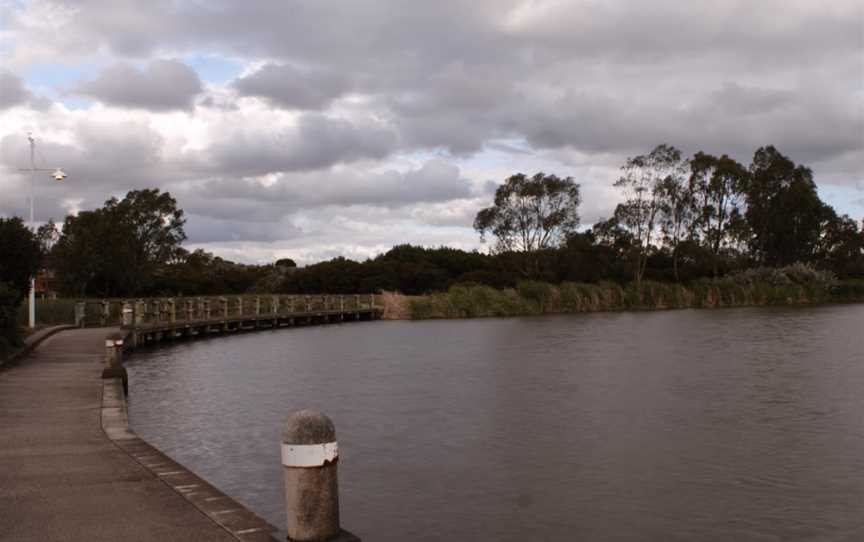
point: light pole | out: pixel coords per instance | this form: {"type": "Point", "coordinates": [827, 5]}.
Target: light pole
{"type": "Point", "coordinates": [58, 175]}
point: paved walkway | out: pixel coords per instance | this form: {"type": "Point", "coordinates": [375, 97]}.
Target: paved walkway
{"type": "Point", "coordinates": [61, 478]}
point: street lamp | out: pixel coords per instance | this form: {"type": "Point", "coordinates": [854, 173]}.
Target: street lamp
{"type": "Point", "coordinates": [58, 175]}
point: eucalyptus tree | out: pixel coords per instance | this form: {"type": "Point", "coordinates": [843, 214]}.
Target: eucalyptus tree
{"type": "Point", "coordinates": [719, 186]}
{"type": "Point", "coordinates": [641, 213]}
{"type": "Point", "coordinates": [530, 214]}
{"type": "Point", "coordinates": [784, 211]}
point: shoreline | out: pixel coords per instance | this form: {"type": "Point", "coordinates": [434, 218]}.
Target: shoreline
{"type": "Point", "coordinates": [536, 298]}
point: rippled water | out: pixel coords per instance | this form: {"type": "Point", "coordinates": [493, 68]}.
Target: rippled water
{"type": "Point", "coordinates": [739, 424]}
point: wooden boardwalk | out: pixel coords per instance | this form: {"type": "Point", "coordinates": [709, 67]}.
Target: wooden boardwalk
{"type": "Point", "coordinates": [156, 319]}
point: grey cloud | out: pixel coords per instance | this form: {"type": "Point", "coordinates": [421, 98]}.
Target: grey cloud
{"type": "Point", "coordinates": [289, 87]}
{"type": "Point", "coordinates": [206, 229]}
{"type": "Point", "coordinates": [12, 90]}
{"type": "Point", "coordinates": [735, 99]}
{"type": "Point", "coordinates": [164, 85]}
{"type": "Point", "coordinates": [596, 76]}
{"type": "Point", "coordinates": [318, 141]}
{"type": "Point", "coordinates": [434, 181]}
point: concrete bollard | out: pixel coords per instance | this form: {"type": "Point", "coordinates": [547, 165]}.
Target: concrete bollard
{"type": "Point", "coordinates": [310, 457]}
{"type": "Point", "coordinates": [80, 311]}
{"type": "Point", "coordinates": [114, 362]}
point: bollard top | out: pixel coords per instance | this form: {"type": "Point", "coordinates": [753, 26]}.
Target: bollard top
{"type": "Point", "coordinates": [308, 427]}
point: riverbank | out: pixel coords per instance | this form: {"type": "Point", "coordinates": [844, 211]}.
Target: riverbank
{"type": "Point", "coordinates": [535, 298]}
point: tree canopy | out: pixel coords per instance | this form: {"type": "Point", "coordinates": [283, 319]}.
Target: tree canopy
{"type": "Point", "coordinates": [118, 248]}
{"type": "Point", "coordinates": [531, 213]}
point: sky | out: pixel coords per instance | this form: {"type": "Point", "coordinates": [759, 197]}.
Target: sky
{"type": "Point", "coordinates": [315, 129]}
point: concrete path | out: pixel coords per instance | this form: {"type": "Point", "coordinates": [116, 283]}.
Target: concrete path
{"type": "Point", "coordinates": [61, 478]}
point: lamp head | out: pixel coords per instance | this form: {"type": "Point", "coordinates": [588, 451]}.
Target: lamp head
{"type": "Point", "coordinates": [58, 175]}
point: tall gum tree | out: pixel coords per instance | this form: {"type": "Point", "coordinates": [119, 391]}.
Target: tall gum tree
{"type": "Point", "coordinates": [530, 214]}
{"type": "Point", "coordinates": [641, 183]}
{"type": "Point", "coordinates": [719, 186]}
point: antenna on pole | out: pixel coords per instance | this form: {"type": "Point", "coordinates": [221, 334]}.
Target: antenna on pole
{"type": "Point", "coordinates": [58, 175]}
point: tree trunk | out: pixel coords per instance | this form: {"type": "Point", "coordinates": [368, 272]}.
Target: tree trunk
{"type": "Point", "coordinates": [675, 263]}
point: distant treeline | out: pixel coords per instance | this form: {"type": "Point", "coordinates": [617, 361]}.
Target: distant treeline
{"type": "Point", "coordinates": [680, 220]}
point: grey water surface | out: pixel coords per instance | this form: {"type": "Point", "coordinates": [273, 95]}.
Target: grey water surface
{"type": "Point", "coordinates": [735, 424]}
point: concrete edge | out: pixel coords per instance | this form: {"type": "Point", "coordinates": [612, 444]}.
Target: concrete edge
{"type": "Point", "coordinates": [32, 342]}
{"type": "Point", "coordinates": [233, 517]}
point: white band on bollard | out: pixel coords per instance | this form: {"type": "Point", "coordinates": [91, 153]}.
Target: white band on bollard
{"type": "Point", "coordinates": [309, 455]}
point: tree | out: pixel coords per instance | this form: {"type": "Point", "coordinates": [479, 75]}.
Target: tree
{"type": "Point", "coordinates": [20, 256]}
{"type": "Point", "coordinates": [718, 186]}
{"type": "Point", "coordinates": [677, 211]}
{"type": "Point", "coordinates": [119, 248]}
{"type": "Point", "coordinates": [531, 214]}
{"type": "Point", "coordinates": [642, 184]}
{"type": "Point", "coordinates": [841, 245]}
{"type": "Point", "coordinates": [784, 211]}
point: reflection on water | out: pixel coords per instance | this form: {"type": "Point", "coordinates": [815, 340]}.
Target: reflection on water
{"type": "Point", "coordinates": [740, 424]}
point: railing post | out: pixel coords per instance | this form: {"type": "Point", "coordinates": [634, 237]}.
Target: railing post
{"type": "Point", "coordinates": [105, 313]}
{"type": "Point", "coordinates": [308, 303]}
{"type": "Point", "coordinates": [342, 303]}
{"type": "Point", "coordinates": [172, 310]}
{"type": "Point", "coordinates": [127, 314]}
{"type": "Point", "coordinates": [190, 310]}
{"type": "Point", "coordinates": [371, 301]}
{"type": "Point", "coordinates": [357, 301]}
{"type": "Point", "coordinates": [80, 313]}
{"type": "Point", "coordinates": [274, 305]}
{"type": "Point", "coordinates": [223, 304]}
{"type": "Point", "coordinates": [257, 306]}
{"type": "Point", "coordinates": [310, 457]}
{"type": "Point", "coordinates": [290, 303]}
{"type": "Point", "coordinates": [240, 306]}
{"type": "Point", "coordinates": [140, 308]}
{"type": "Point", "coordinates": [206, 309]}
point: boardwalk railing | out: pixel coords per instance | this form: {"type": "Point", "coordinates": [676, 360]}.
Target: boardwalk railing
{"type": "Point", "coordinates": [154, 318]}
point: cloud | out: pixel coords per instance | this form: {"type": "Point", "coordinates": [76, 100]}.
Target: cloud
{"type": "Point", "coordinates": [315, 141]}
{"type": "Point", "coordinates": [164, 85]}
{"type": "Point", "coordinates": [12, 90]}
{"type": "Point", "coordinates": [292, 88]}
{"type": "Point", "coordinates": [380, 121]}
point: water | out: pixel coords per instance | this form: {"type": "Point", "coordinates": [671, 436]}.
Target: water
{"type": "Point", "coordinates": [737, 424]}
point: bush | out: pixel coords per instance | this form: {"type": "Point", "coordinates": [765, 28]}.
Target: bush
{"type": "Point", "coordinates": [10, 336]}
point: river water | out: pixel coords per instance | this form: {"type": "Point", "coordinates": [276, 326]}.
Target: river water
{"type": "Point", "coordinates": [734, 424]}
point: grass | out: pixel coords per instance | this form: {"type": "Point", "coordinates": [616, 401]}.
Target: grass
{"type": "Point", "coordinates": [532, 298]}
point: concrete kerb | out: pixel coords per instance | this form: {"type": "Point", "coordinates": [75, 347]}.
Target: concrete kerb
{"type": "Point", "coordinates": [32, 342]}
{"type": "Point", "coordinates": [233, 517]}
